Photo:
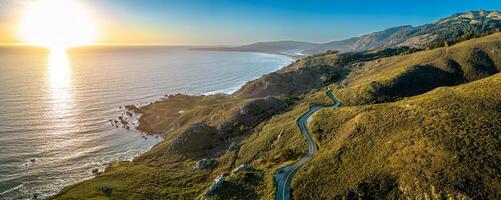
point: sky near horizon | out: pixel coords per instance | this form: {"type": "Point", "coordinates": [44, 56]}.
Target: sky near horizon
{"type": "Point", "coordinates": [231, 22]}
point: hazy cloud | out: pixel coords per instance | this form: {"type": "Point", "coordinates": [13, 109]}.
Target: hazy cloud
{"type": "Point", "coordinates": [15, 2]}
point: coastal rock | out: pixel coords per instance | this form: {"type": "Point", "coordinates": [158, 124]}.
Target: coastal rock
{"type": "Point", "coordinates": [205, 164]}
{"type": "Point", "coordinates": [224, 128]}
{"type": "Point", "coordinates": [35, 197]}
{"type": "Point", "coordinates": [244, 110]}
{"type": "Point", "coordinates": [106, 189]}
{"type": "Point", "coordinates": [215, 185]}
{"type": "Point", "coordinates": [281, 134]}
{"type": "Point", "coordinates": [233, 146]}
{"type": "Point", "coordinates": [243, 167]}
{"type": "Point", "coordinates": [132, 108]}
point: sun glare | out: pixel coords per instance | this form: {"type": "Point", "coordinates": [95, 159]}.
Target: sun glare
{"type": "Point", "coordinates": [57, 24]}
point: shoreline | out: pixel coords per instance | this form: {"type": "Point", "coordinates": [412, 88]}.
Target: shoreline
{"type": "Point", "coordinates": [225, 91]}
{"type": "Point", "coordinates": [135, 109]}
{"type": "Point", "coordinates": [293, 56]}
{"type": "Point", "coordinates": [231, 90]}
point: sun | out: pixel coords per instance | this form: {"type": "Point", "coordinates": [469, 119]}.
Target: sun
{"type": "Point", "coordinates": [57, 24]}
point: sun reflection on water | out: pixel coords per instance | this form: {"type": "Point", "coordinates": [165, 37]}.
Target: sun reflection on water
{"type": "Point", "coordinates": [60, 87]}
{"type": "Point", "coordinates": [59, 69]}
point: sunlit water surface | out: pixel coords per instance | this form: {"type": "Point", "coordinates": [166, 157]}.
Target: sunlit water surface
{"type": "Point", "coordinates": [55, 106]}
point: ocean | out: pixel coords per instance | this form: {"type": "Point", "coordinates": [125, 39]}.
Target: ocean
{"type": "Point", "coordinates": [55, 105]}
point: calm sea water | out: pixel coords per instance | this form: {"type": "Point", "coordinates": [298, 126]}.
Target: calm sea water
{"type": "Point", "coordinates": [55, 106]}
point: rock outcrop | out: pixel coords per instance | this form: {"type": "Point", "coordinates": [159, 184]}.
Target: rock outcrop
{"type": "Point", "coordinates": [106, 189]}
{"type": "Point", "coordinates": [215, 185]}
{"type": "Point", "coordinates": [242, 167]}
{"type": "Point", "coordinates": [233, 146]}
{"type": "Point", "coordinates": [205, 164]}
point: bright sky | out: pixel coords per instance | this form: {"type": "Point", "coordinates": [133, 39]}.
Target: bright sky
{"type": "Point", "coordinates": [223, 22]}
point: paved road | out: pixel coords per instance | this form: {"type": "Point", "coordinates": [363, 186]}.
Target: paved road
{"type": "Point", "coordinates": [285, 175]}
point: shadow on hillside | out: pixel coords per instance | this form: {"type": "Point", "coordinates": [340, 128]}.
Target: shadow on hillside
{"type": "Point", "coordinates": [423, 78]}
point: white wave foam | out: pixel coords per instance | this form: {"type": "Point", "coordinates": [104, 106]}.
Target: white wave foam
{"type": "Point", "coordinates": [223, 91]}
{"type": "Point", "coordinates": [12, 189]}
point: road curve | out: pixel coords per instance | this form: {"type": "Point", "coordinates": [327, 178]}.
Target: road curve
{"type": "Point", "coordinates": [285, 175]}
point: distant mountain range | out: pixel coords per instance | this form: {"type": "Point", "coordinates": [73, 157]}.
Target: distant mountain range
{"type": "Point", "coordinates": [461, 25]}
{"type": "Point", "coordinates": [291, 48]}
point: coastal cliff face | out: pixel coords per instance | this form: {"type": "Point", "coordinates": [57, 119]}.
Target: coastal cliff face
{"type": "Point", "coordinates": [400, 133]}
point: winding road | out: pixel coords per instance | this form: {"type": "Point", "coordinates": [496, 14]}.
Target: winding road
{"type": "Point", "coordinates": [285, 175]}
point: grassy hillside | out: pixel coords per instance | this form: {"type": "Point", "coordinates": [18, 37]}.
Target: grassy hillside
{"type": "Point", "coordinates": [166, 174]}
{"type": "Point", "coordinates": [138, 181]}
{"type": "Point", "coordinates": [205, 136]}
{"type": "Point", "coordinates": [441, 144]}
{"type": "Point", "coordinates": [444, 142]}
{"type": "Point", "coordinates": [294, 80]}
{"type": "Point", "coordinates": [312, 72]}
{"type": "Point", "coordinates": [197, 127]}
{"type": "Point", "coordinates": [390, 79]}
{"type": "Point", "coordinates": [177, 110]}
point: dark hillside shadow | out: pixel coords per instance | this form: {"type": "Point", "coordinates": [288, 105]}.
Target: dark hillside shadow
{"type": "Point", "coordinates": [479, 65]}
{"type": "Point", "coordinates": [420, 79]}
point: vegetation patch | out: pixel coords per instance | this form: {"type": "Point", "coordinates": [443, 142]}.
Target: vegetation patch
{"type": "Point", "coordinates": [441, 144]}
{"type": "Point", "coordinates": [394, 78]}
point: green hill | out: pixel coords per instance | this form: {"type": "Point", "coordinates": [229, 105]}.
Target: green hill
{"type": "Point", "coordinates": [393, 78]}
{"type": "Point", "coordinates": [442, 142]}
{"type": "Point", "coordinates": [312, 72]}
